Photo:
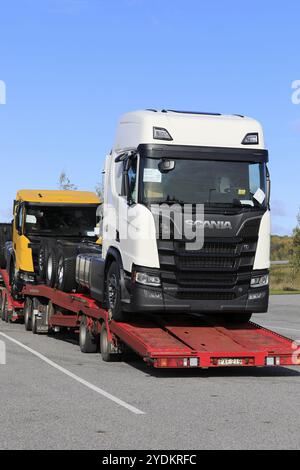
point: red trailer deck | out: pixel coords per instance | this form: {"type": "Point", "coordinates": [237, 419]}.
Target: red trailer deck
{"type": "Point", "coordinates": [182, 342]}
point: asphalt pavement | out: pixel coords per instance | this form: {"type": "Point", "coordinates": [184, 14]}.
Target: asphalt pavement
{"type": "Point", "coordinates": [55, 397]}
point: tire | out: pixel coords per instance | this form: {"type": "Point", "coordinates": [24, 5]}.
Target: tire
{"type": "Point", "coordinates": [28, 308]}
{"type": "Point", "coordinates": [113, 293]}
{"type": "Point", "coordinates": [87, 341]}
{"type": "Point", "coordinates": [51, 268]}
{"type": "Point", "coordinates": [16, 285]}
{"type": "Point", "coordinates": [5, 314]}
{"type": "Point", "coordinates": [105, 345]}
{"type": "Point", "coordinates": [237, 318]}
{"type": "Point", "coordinates": [33, 324]}
{"type": "Point", "coordinates": [2, 305]}
{"type": "Point", "coordinates": [66, 271]}
{"type": "Point", "coordinates": [42, 262]}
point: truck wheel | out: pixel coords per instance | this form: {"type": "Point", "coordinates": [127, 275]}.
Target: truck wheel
{"type": "Point", "coordinates": [105, 345]}
{"type": "Point", "coordinates": [237, 318]}
{"type": "Point", "coordinates": [42, 261]}
{"type": "Point", "coordinates": [66, 272]}
{"type": "Point", "coordinates": [87, 341]}
{"type": "Point", "coordinates": [28, 307]}
{"type": "Point", "coordinates": [51, 271]}
{"type": "Point", "coordinates": [113, 293]}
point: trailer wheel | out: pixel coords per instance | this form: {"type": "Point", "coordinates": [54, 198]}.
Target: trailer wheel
{"type": "Point", "coordinates": [2, 300]}
{"type": "Point", "coordinates": [51, 270]}
{"type": "Point", "coordinates": [87, 341]}
{"type": "Point", "coordinates": [33, 324]}
{"type": "Point", "coordinates": [5, 313]}
{"type": "Point", "coordinates": [105, 345]}
{"type": "Point", "coordinates": [113, 292]}
{"type": "Point", "coordinates": [237, 318]}
{"type": "Point", "coordinates": [28, 307]}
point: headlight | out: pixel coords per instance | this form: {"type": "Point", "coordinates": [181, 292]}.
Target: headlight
{"type": "Point", "coordinates": [260, 281]}
{"type": "Point", "coordinates": [27, 277]}
{"type": "Point", "coordinates": [147, 279]}
{"type": "Point", "coordinates": [257, 295]}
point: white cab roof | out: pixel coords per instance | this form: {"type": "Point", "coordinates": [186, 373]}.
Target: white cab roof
{"type": "Point", "coordinates": [194, 129]}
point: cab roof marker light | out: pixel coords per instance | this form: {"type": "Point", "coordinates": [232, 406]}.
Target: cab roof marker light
{"type": "Point", "coordinates": [251, 139]}
{"type": "Point", "coordinates": [159, 133]}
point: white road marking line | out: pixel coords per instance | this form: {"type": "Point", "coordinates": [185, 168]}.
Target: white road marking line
{"type": "Point", "coordinates": [280, 328]}
{"type": "Point", "coordinates": [75, 377]}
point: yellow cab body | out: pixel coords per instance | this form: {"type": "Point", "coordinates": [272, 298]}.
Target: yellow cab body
{"type": "Point", "coordinates": [28, 201]}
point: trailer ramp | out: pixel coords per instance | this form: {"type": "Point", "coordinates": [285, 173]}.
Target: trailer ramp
{"type": "Point", "coordinates": [189, 341]}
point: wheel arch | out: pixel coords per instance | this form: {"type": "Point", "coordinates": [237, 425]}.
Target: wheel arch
{"type": "Point", "coordinates": [113, 254]}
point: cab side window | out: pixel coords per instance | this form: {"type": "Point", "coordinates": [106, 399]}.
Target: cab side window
{"type": "Point", "coordinates": [132, 181]}
{"type": "Point", "coordinates": [132, 176]}
{"type": "Point", "coordinates": [19, 219]}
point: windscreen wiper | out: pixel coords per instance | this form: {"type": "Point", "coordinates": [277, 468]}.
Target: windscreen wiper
{"type": "Point", "coordinates": [166, 201]}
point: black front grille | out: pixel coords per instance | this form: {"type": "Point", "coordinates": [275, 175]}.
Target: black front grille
{"type": "Point", "coordinates": [220, 271]}
{"type": "Point", "coordinates": [206, 279]}
{"type": "Point", "coordinates": [216, 248]}
{"type": "Point", "coordinates": [200, 262]}
{"type": "Point", "coordinates": [206, 295]}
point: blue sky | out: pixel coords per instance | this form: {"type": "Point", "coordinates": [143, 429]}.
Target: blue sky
{"type": "Point", "coordinates": [72, 67]}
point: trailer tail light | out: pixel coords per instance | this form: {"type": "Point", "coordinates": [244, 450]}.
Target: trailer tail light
{"type": "Point", "coordinates": [273, 361]}
{"type": "Point", "coordinates": [194, 362]}
{"type": "Point", "coordinates": [178, 362]}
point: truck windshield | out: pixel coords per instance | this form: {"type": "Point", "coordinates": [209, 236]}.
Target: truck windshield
{"type": "Point", "coordinates": [75, 221]}
{"type": "Point", "coordinates": [208, 182]}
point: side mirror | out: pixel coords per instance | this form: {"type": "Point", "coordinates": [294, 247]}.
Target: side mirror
{"type": "Point", "coordinates": [125, 155]}
{"type": "Point", "coordinates": [165, 165]}
{"type": "Point", "coordinates": [120, 158]}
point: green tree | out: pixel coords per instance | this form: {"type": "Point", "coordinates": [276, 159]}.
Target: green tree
{"type": "Point", "coordinates": [295, 265]}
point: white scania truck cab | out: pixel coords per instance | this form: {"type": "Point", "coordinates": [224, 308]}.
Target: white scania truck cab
{"type": "Point", "coordinates": [184, 159]}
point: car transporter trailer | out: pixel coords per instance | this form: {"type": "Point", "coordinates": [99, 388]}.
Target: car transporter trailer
{"type": "Point", "coordinates": [185, 341]}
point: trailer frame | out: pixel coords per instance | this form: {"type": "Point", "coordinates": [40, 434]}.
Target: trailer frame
{"type": "Point", "coordinates": [185, 341]}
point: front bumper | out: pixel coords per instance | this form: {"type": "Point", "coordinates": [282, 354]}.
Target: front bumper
{"type": "Point", "coordinates": [154, 300]}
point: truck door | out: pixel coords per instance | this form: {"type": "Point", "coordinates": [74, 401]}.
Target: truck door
{"type": "Point", "coordinates": [121, 197]}
{"type": "Point", "coordinates": [23, 253]}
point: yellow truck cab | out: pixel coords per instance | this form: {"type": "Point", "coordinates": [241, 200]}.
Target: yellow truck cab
{"type": "Point", "coordinates": [41, 217]}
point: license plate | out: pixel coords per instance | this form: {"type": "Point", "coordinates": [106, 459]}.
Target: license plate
{"type": "Point", "coordinates": [230, 362]}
